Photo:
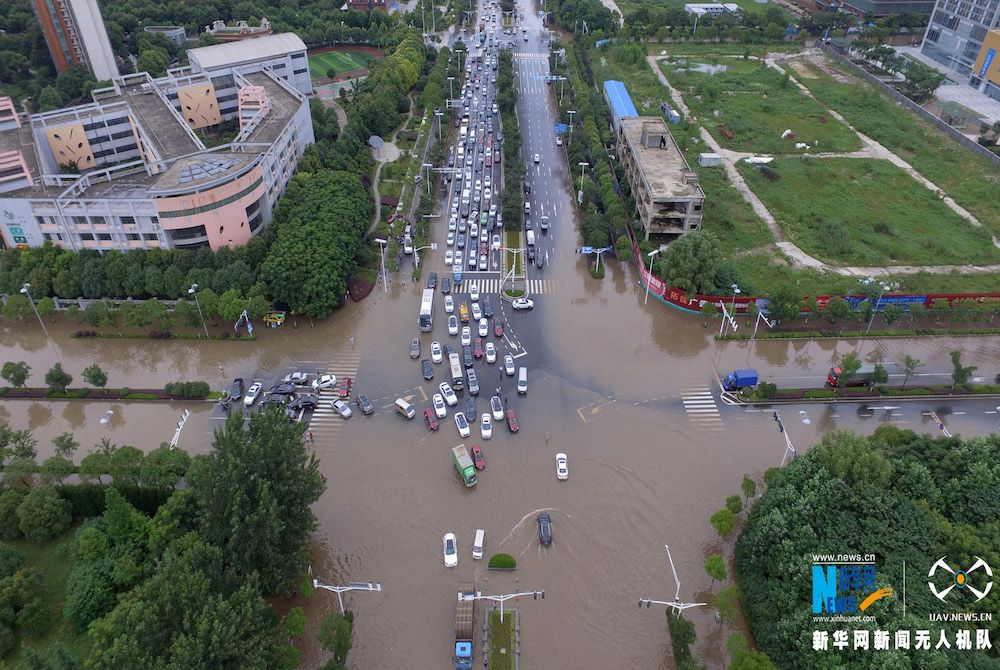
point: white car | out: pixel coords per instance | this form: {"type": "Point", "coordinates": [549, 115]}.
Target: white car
{"type": "Point", "coordinates": [562, 466]}
{"type": "Point", "coordinates": [342, 408]}
{"type": "Point", "coordinates": [523, 303]}
{"type": "Point", "coordinates": [495, 243]}
{"type": "Point", "coordinates": [252, 394]}
{"type": "Point", "coordinates": [558, 140]}
{"type": "Point", "coordinates": [439, 407]}
{"type": "Point", "coordinates": [449, 304]}
{"type": "Point", "coordinates": [538, 158]}
{"type": "Point", "coordinates": [449, 395]}
{"type": "Point", "coordinates": [451, 239]}
{"type": "Point", "coordinates": [324, 382]}
{"type": "Point", "coordinates": [477, 313]}
{"type": "Point", "coordinates": [453, 325]}
{"type": "Point", "coordinates": [486, 426]}
{"type": "Point", "coordinates": [436, 354]}
{"type": "Point", "coordinates": [474, 231]}
{"type": "Point", "coordinates": [483, 262]}
{"type": "Point", "coordinates": [484, 327]}
{"type": "Point", "coordinates": [459, 257]}
{"type": "Point", "coordinates": [474, 292]}
{"type": "Point", "coordinates": [466, 336]}
{"type": "Point", "coordinates": [491, 353]}
{"type": "Point", "coordinates": [453, 221]}
{"type": "Point", "coordinates": [496, 406]}
{"type": "Point", "coordinates": [297, 378]}
{"type": "Point", "coordinates": [449, 257]}
{"type": "Point", "coordinates": [508, 365]}
{"type": "Point", "coordinates": [450, 550]}
{"type": "Point", "coordinates": [463, 425]}
{"type": "Point", "coordinates": [487, 194]}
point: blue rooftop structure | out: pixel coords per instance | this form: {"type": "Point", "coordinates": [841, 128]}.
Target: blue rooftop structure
{"type": "Point", "coordinates": [619, 101]}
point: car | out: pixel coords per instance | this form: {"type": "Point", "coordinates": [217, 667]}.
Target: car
{"type": "Point", "coordinates": [474, 231]}
{"type": "Point", "coordinates": [474, 292]}
{"type": "Point", "coordinates": [466, 336]}
{"type": "Point", "coordinates": [486, 426]}
{"type": "Point", "coordinates": [278, 399]}
{"type": "Point", "coordinates": [538, 158]}
{"type": "Point", "coordinates": [324, 382]}
{"type": "Point", "coordinates": [512, 424]}
{"type": "Point", "coordinates": [496, 406]}
{"type": "Point", "coordinates": [305, 401]}
{"type": "Point", "coordinates": [544, 529]}
{"type": "Point", "coordinates": [436, 354]}
{"type": "Point", "coordinates": [487, 307]}
{"type": "Point", "coordinates": [450, 550]}
{"type": "Point", "coordinates": [282, 389]}
{"type": "Point", "coordinates": [449, 304]}
{"type": "Point", "coordinates": [236, 389]}
{"type": "Point", "coordinates": [463, 312]}
{"type": "Point", "coordinates": [508, 365]}
{"type": "Point", "coordinates": [539, 262]}
{"type": "Point", "coordinates": [449, 395]}
{"type": "Point", "coordinates": [453, 222]}
{"type": "Point", "coordinates": [430, 420]}
{"type": "Point", "coordinates": [449, 257]}
{"type": "Point", "coordinates": [432, 280]}
{"type": "Point", "coordinates": [491, 353]}
{"type": "Point", "coordinates": [484, 327]}
{"type": "Point", "coordinates": [342, 408]}
{"type": "Point", "coordinates": [462, 425]}
{"type": "Point", "coordinates": [477, 312]}
{"type": "Point", "coordinates": [562, 466]}
{"type": "Point", "coordinates": [440, 409]}
{"type": "Point", "coordinates": [470, 409]}
{"type": "Point", "coordinates": [467, 356]}
{"type": "Point", "coordinates": [450, 239]}
{"type": "Point", "coordinates": [252, 394]}
{"type": "Point", "coordinates": [460, 243]}
{"type": "Point", "coordinates": [297, 378]}
{"type": "Point", "coordinates": [452, 325]}
{"type": "Point", "coordinates": [544, 223]}
{"type": "Point", "coordinates": [473, 382]}
{"type": "Point", "coordinates": [364, 404]}
{"type": "Point", "coordinates": [477, 457]}
{"type": "Point", "coordinates": [427, 369]}
{"type": "Point", "coordinates": [523, 303]}
{"type": "Point", "coordinates": [344, 388]}
{"type": "Point", "coordinates": [477, 348]}
{"type": "Point", "coordinates": [558, 141]}
{"type": "Point", "coordinates": [497, 329]}
{"type": "Point", "coordinates": [446, 285]}
{"type": "Point", "coordinates": [472, 260]}
{"type": "Point", "coordinates": [415, 347]}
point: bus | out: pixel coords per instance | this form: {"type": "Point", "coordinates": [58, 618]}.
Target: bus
{"type": "Point", "coordinates": [426, 320]}
{"type": "Point", "coordinates": [457, 378]}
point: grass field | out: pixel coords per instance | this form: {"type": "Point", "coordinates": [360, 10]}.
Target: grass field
{"type": "Point", "coordinates": [340, 61]}
{"type": "Point", "coordinates": [756, 103]}
{"type": "Point", "coordinates": [501, 637]}
{"type": "Point", "coordinates": [866, 212]}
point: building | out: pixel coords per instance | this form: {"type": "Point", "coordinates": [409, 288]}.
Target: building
{"type": "Point", "coordinates": [667, 195]}
{"type": "Point", "coordinates": [74, 32]}
{"type": "Point", "coordinates": [619, 102]}
{"type": "Point", "coordinates": [869, 9]}
{"type": "Point", "coordinates": [711, 8]}
{"type": "Point", "coordinates": [285, 54]}
{"type": "Point", "coordinates": [241, 31]}
{"type": "Point", "coordinates": [986, 70]}
{"type": "Point", "coordinates": [136, 169]}
{"type": "Point", "coordinates": [175, 34]}
{"type": "Point", "coordinates": [365, 5]}
{"type": "Point", "coordinates": [956, 33]}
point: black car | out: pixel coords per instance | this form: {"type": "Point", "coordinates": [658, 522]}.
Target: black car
{"type": "Point", "coordinates": [432, 280]}
{"type": "Point", "coordinates": [364, 404]}
{"type": "Point", "coordinates": [487, 307]}
{"type": "Point", "coordinates": [448, 350]}
{"type": "Point", "coordinates": [470, 409]}
{"type": "Point", "coordinates": [446, 285]}
{"type": "Point", "coordinates": [538, 261]}
{"type": "Point", "coordinates": [531, 253]}
{"type": "Point", "coordinates": [428, 369]}
{"type": "Point", "coordinates": [283, 389]}
{"type": "Point", "coordinates": [236, 390]}
{"type": "Point", "coordinates": [307, 401]}
{"type": "Point", "coordinates": [272, 400]}
{"type": "Point", "coordinates": [467, 355]}
{"type": "Point", "coordinates": [545, 529]}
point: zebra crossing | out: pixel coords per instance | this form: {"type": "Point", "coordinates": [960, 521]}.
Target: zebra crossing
{"type": "Point", "coordinates": [699, 403]}
{"type": "Point", "coordinates": [535, 286]}
{"type": "Point", "coordinates": [325, 420]}
{"type": "Point", "coordinates": [534, 55]}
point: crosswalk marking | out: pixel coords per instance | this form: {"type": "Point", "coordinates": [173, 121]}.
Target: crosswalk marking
{"type": "Point", "coordinates": [699, 404]}
{"type": "Point", "coordinates": [535, 286]}
{"type": "Point", "coordinates": [534, 55]}
{"type": "Point", "coordinates": [325, 420]}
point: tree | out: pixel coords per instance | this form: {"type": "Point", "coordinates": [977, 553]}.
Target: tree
{"type": "Point", "coordinates": [784, 304]}
{"type": "Point", "coordinates": [10, 524]}
{"type": "Point", "coordinates": [749, 487]}
{"type": "Point", "coordinates": [838, 309]}
{"type": "Point", "coordinates": [154, 61]}
{"type": "Point", "coordinates": [723, 522]}
{"type": "Point", "coordinates": [66, 445]}
{"type": "Point", "coordinates": [90, 593]}
{"type": "Point", "coordinates": [880, 375]}
{"type": "Point", "coordinates": [43, 515]}
{"type": "Point", "coordinates": [917, 311]}
{"type": "Point", "coordinates": [95, 376]}
{"type": "Point", "coordinates": [849, 366]}
{"type": "Point", "coordinates": [727, 602]}
{"type": "Point", "coordinates": [751, 660]}
{"type": "Point", "coordinates": [715, 566]}
{"type": "Point", "coordinates": [264, 468]}
{"type": "Point", "coordinates": [17, 308]}
{"type": "Point", "coordinates": [125, 465]}
{"type": "Point", "coordinates": [691, 262]}
{"type": "Point", "coordinates": [49, 99]}
{"type": "Point", "coordinates": [910, 365]}
{"type": "Point", "coordinates": [16, 374]}
{"type": "Point", "coordinates": [164, 467]}
{"type": "Point", "coordinates": [891, 313]}
{"type": "Point", "coordinates": [57, 379]}
{"type": "Point", "coordinates": [56, 469]}
{"type": "Point", "coordinates": [960, 374]}
{"type": "Point", "coordinates": [335, 634]}
{"type": "Point", "coordinates": [709, 310]}
{"type": "Point", "coordinates": [734, 504]}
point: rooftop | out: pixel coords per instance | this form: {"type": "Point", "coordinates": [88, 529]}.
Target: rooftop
{"type": "Point", "coordinates": [162, 127]}
{"type": "Point", "coordinates": [245, 51]}
{"type": "Point", "coordinates": [621, 103]}
{"type": "Point", "coordinates": [190, 172]}
{"type": "Point", "coordinates": [283, 106]}
{"type": "Point", "coordinates": [663, 166]}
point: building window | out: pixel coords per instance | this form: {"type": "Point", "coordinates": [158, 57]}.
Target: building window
{"type": "Point", "coordinates": [298, 71]}
{"type": "Point", "coordinates": [86, 237]}
{"type": "Point", "coordinates": [188, 233]}
{"type": "Point", "coordinates": [79, 220]}
{"type": "Point", "coordinates": [55, 237]}
{"type": "Point", "coordinates": [104, 237]}
{"type": "Point", "coordinates": [978, 33]}
{"type": "Point", "coordinates": [215, 205]}
{"type": "Point", "coordinates": [99, 221]}
{"type": "Point", "coordinates": [128, 220]}
{"type": "Point", "coordinates": [133, 237]}
{"type": "Point", "coordinates": [963, 9]}
{"type": "Point", "coordinates": [933, 34]}
{"type": "Point", "coordinates": [971, 51]}
{"type": "Point", "coordinates": [150, 236]}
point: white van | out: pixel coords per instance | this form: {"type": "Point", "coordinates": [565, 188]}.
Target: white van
{"type": "Point", "coordinates": [407, 245]}
{"type": "Point", "coordinates": [522, 381]}
{"type": "Point", "coordinates": [406, 409]}
{"type": "Point", "coordinates": [477, 546]}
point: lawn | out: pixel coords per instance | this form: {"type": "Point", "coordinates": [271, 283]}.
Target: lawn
{"type": "Point", "coordinates": [972, 181]}
{"type": "Point", "coordinates": [865, 212]}
{"type": "Point", "coordinates": [501, 641]}
{"type": "Point", "coordinates": [755, 104]}
{"type": "Point", "coordinates": [340, 61]}
{"type": "Point", "coordinates": [721, 49]}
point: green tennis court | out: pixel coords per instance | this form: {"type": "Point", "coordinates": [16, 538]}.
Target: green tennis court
{"type": "Point", "coordinates": [340, 61]}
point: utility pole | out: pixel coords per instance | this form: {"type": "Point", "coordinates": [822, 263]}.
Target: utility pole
{"type": "Point", "coordinates": [789, 449]}
{"type": "Point", "coordinates": [502, 598]}
{"type": "Point", "coordinates": [571, 112]}
{"type": "Point", "coordinates": [676, 604]}
{"type": "Point", "coordinates": [352, 586]}
{"type": "Point", "coordinates": [382, 242]}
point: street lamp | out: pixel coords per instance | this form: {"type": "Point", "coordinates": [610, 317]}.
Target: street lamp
{"type": "Point", "coordinates": [382, 242]}
{"type": "Point", "coordinates": [651, 254]}
{"type": "Point", "coordinates": [501, 598]}
{"type": "Point", "coordinates": [789, 448]}
{"type": "Point", "coordinates": [451, 87]}
{"type": "Point", "coordinates": [427, 167]}
{"type": "Point", "coordinates": [194, 291]}
{"type": "Point", "coordinates": [583, 166]}
{"type": "Point", "coordinates": [732, 308]}
{"type": "Point", "coordinates": [416, 252]}
{"type": "Point", "coordinates": [676, 604]}
{"type": "Point", "coordinates": [884, 286]}
{"type": "Point", "coordinates": [25, 292]}
{"type": "Point", "coordinates": [438, 113]}
{"type": "Point", "coordinates": [571, 112]}
{"type": "Point", "coordinates": [352, 586]}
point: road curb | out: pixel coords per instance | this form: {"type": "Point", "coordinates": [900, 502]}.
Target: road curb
{"type": "Point", "coordinates": [865, 399]}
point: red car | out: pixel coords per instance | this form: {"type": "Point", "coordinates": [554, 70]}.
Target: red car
{"type": "Point", "coordinates": [477, 457]}
{"type": "Point", "coordinates": [489, 161]}
{"type": "Point", "coordinates": [512, 421]}
{"type": "Point", "coordinates": [498, 329]}
{"type": "Point", "coordinates": [344, 389]}
{"type": "Point", "coordinates": [430, 419]}
{"type": "Point", "coordinates": [478, 349]}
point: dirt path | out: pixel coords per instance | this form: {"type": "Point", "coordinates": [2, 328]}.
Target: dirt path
{"type": "Point", "coordinates": [386, 154]}
{"type": "Point", "coordinates": [341, 114]}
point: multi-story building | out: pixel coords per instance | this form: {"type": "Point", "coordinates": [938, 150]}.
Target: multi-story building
{"type": "Point", "coordinates": [986, 70]}
{"type": "Point", "coordinates": [365, 5]}
{"type": "Point", "coordinates": [74, 32]}
{"type": "Point", "coordinates": [137, 169]}
{"type": "Point", "coordinates": [957, 30]}
{"type": "Point", "coordinates": [175, 34]}
{"type": "Point", "coordinates": [241, 31]}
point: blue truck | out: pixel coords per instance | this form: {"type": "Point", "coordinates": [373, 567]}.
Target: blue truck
{"type": "Point", "coordinates": [740, 379]}
{"type": "Point", "coordinates": [465, 612]}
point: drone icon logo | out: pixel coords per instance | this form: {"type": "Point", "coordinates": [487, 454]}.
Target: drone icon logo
{"type": "Point", "coordinates": [960, 579]}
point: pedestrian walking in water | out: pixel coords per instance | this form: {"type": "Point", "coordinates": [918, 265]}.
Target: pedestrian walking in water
{"type": "Point", "coordinates": [222, 370]}
{"type": "Point", "coordinates": [311, 440]}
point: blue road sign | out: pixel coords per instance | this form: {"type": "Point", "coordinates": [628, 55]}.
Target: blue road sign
{"type": "Point", "coordinates": [561, 128]}
{"type": "Point", "coordinates": [586, 250]}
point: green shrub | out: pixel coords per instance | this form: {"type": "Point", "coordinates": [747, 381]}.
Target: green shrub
{"type": "Point", "coordinates": [502, 562]}
{"type": "Point", "coordinates": [819, 393]}
{"type": "Point", "coordinates": [187, 389]}
{"type": "Point", "coordinates": [766, 390]}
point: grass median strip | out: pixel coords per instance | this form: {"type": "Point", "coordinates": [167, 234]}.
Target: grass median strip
{"type": "Point", "coordinates": [501, 641]}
